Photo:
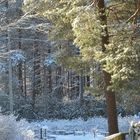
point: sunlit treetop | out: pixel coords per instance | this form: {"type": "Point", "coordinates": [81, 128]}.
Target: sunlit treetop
{"type": "Point", "coordinates": [78, 21]}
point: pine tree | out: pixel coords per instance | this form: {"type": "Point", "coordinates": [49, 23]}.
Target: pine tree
{"type": "Point", "coordinates": [110, 95]}
{"type": "Point", "coordinates": [103, 36]}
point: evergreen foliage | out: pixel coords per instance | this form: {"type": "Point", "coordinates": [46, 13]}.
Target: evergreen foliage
{"type": "Point", "coordinates": [57, 55]}
{"type": "Point", "coordinates": [78, 21]}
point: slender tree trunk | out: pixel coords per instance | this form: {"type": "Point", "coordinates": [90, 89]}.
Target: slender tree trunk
{"type": "Point", "coordinates": [110, 95]}
{"type": "Point", "coordinates": [33, 83]}
{"type": "Point", "coordinates": [11, 96]}
{"type": "Point", "coordinates": [45, 80]}
{"type": "Point", "coordinates": [36, 72]}
{"type": "Point", "coordinates": [68, 80]}
{"type": "Point", "coordinates": [81, 87]}
{"type": "Point", "coordinates": [49, 75]}
{"type": "Point", "coordinates": [71, 85]}
{"type": "Point", "coordinates": [20, 75]}
{"type": "Point", "coordinates": [24, 82]}
{"type": "Point", "coordinates": [8, 44]}
{"type": "Point", "coordinates": [60, 89]}
{"type": "Point", "coordinates": [50, 80]}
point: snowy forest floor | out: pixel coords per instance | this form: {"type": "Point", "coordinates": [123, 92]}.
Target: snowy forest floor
{"type": "Point", "coordinates": [77, 129]}
{"type": "Point", "coordinates": [92, 129]}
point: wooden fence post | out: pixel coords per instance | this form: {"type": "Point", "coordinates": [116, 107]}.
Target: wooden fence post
{"type": "Point", "coordinates": [41, 134]}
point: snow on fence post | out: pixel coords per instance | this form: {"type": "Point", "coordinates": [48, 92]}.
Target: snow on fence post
{"type": "Point", "coordinates": [135, 130]}
{"type": "Point", "coordinates": [117, 136]}
{"type": "Point", "coordinates": [43, 132]}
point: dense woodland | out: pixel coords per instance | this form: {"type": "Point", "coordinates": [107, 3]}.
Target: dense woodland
{"type": "Point", "coordinates": [69, 58]}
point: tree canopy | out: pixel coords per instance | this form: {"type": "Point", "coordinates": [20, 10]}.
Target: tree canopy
{"type": "Point", "coordinates": [78, 22]}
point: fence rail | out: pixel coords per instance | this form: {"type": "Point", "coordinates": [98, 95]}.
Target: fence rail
{"type": "Point", "coordinates": [117, 136]}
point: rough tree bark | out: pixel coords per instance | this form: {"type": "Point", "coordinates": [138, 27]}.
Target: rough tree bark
{"type": "Point", "coordinates": [110, 95]}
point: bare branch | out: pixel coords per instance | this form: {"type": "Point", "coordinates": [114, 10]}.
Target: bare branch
{"type": "Point", "coordinates": [136, 12]}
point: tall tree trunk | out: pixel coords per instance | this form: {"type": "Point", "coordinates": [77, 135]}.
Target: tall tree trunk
{"type": "Point", "coordinates": [11, 95]}
{"type": "Point", "coordinates": [60, 85]}
{"type": "Point", "coordinates": [24, 82]}
{"type": "Point", "coordinates": [44, 80]}
{"type": "Point", "coordinates": [36, 72]}
{"type": "Point", "coordinates": [10, 77]}
{"type": "Point", "coordinates": [68, 82]}
{"type": "Point", "coordinates": [49, 75]}
{"type": "Point", "coordinates": [20, 75]}
{"type": "Point", "coordinates": [110, 95]}
{"type": "Point", "coordinates": [81, 87]}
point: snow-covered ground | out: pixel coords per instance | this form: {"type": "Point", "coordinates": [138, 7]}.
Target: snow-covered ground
{"type": "Point", "coordinates": [90, 129]}
{"type": "Point", "coordinates": [93, 124]}
{"type": "Point", "coordinates": [95, 128]}
{"type": "Point", "coordinates": [98, 124]}
{"type": "Point", "coordinates": [86, 137]}
{"type": "Point", "coordinates": [77, 129]}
